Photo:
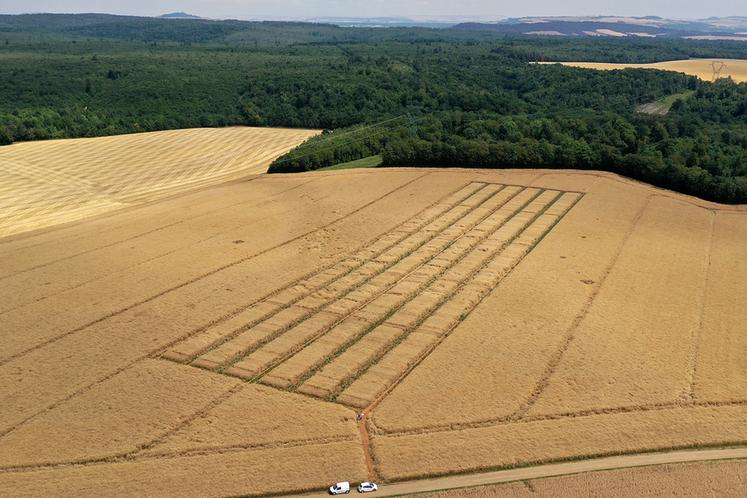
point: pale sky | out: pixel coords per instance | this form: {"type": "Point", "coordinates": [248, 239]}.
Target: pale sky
{"type": "Point", "coordinates": [253, 9]}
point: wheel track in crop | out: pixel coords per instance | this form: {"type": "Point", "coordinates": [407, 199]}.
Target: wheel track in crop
{"type": "Point", "coordinates": [692, 372]}
{"type": "Point", "coordinates": [544, 381]}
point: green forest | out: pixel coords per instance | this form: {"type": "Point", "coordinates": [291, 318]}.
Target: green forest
{"type": "Point", "coordinates": [415, 96]}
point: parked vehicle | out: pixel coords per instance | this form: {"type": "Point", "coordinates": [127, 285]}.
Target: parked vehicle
{"type": "Point", "coordinates": [340, 488]}
{"type": "Point", "coordinates": [367, 487]}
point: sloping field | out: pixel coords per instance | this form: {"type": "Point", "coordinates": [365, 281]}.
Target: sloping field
{"type": "Point", "coordinates": [735, 69]}
{"type": "Point", "coordinates": [215, 343]}
{"type": "Point", "coordinates": [57, 181]}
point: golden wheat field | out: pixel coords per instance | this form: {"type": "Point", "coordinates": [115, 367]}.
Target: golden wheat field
{"type": "Point", "coordinates": [216, 342]}
{"type": "Point", "coordinates": [58, 181]}
{"type": "Point", "coordinates": [692, 480]}
{"type": "Point", "coordinates": [735, 69]}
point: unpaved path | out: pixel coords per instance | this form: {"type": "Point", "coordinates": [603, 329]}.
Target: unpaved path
{"type": "Point", "coordinates": [554, 470]}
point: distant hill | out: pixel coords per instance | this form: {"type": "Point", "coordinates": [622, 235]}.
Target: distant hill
{"type": "Point", "coordinates": [615, 26]}
{"type": "Point", "coordinates": [179, 15]}
{"type": "Point", "coordinates": [382, 22]}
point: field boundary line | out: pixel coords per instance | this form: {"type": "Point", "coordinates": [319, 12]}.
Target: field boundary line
{"type": "Point", "coordinates": [367, 448]}
{"type": "Point", "coordinates": [544, 381]}
{"type": "Point", "coordinates": [508, 420]}
{"type": "Point", "coordinates": [184, 284]}
{"type": "Point", "coordinates": [229, 337]}
{"type": "Point", "coordinates": [694, 358]}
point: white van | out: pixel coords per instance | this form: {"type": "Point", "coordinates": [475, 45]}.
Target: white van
{"type": "Point", "coordinates": [341, 488]}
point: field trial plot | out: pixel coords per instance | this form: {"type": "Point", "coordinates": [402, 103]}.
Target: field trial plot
{"type": "Point", "coordinates": [58, 181]}
{"type": "Point", "coordinates": [349, 331]}
{"type": "Point", "coordinates": [216, 342]}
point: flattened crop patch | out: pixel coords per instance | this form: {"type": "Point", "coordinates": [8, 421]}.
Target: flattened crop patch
{"type": "Point", "coordinates": [352, 330]}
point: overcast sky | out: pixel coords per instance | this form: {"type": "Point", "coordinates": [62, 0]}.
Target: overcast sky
{"type": "Point", "coordinates": [251, 9]}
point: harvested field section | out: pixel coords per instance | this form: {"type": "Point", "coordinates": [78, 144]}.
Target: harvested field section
{"type": "Point", "coordinates": [721, 369]}
{"type": "Point", "coordinates": [47, 183]}
{"type": "Point", "coordinates": [117, 416]}
{"type": "Point", "coordinates": [513, 335]}
{"type": "Point", "coordinates": [634, 346]}
{"type": "Point", "coordinates": [231, 473]}
{"type": "Point", "coordinates": [503, 445]}
{"type": "Point", "coordinates": [687, 480]}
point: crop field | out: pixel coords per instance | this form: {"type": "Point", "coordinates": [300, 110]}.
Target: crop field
{"type": "Point", "coordinates": [691, 480]}
{"type": "Point", "coordinates": [58, 181]}
{"type": "Point", "coordinates": [217, 341]}
{"type": "Point", "coordinates": [735, 69]}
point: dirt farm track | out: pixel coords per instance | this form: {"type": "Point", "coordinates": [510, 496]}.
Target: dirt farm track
{"type": "Point", "coordinates": [222, 341]}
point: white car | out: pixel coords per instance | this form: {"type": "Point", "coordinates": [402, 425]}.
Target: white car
{"type": "Point", "coordinates": [341, 488]}
{"type": "Point", "coordinates": [367, 487]}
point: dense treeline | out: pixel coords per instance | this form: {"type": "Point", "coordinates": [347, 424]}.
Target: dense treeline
{"type": "Point", "coordinates": [416, 96]}
{"type": "Point", "coordinates": [58, 89]}
{"type": "Point", "coordinates": [680, 153]}
{"type": "Point", "coordinates": [700, 148]}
